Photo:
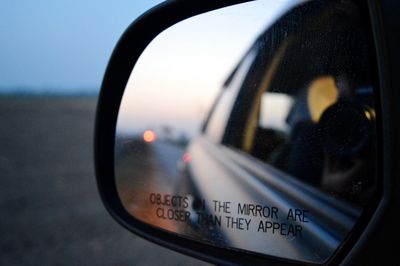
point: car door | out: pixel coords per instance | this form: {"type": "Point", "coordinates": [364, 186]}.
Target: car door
{"type": "Point", "coordinates": [292, 135]}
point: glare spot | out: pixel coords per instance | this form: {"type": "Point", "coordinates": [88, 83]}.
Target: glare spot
{"type": "Point", "coordinates": [149, 136]}
{"type": "Point", "coordinates": [370, 114]}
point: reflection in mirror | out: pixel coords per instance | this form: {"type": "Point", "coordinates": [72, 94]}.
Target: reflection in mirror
{"type": "Point", "coordinates": [253, 127]}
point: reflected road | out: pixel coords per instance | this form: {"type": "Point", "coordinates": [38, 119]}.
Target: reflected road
{"type": "Point", "coordinates": [145, 168]}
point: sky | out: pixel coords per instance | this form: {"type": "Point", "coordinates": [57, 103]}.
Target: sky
{"type": "Point", "coordinates": [180, 73]}
{"type": "Point", "coordinates": [64, 46]}
{"type": "Point", "coordinates": [61, 46]}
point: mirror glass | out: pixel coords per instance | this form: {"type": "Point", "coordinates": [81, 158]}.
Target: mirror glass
{"type": "Point", "coordinates": [253, 128]}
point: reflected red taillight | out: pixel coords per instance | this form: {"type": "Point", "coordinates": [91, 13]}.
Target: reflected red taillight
{"type": "Point", "coordinates": [186, 157]}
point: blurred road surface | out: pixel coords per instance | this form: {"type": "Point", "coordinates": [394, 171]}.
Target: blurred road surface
{"type": "Point", "coordinates": [154, 165]}
{"type": "Point", "coordinates": [51, 213]}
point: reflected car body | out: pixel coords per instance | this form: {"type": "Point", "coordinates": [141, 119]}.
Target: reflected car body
{"type": "Point", "coordinates": [293, 127]}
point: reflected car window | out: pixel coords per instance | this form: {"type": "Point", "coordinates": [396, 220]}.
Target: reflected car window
{"type": "Point", "coordinates": [307, 108]}
{"type": "Point", "coordinates": [219, 116]}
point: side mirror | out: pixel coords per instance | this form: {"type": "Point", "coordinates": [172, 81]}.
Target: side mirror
{"type": "Point", "coordinates": [240, 140]}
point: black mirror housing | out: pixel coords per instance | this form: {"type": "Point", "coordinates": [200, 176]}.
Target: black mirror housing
{"type": "Point", "coordinates": [373, 238]}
